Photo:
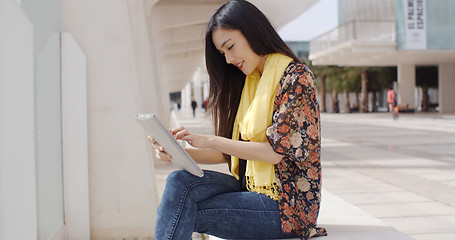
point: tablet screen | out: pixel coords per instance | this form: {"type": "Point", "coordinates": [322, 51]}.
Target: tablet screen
{"type": "Point", "coordinates": [180, 158]}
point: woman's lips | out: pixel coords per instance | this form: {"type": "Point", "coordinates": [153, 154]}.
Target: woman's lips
{"type": "Point", "coordinates": [240, 65]}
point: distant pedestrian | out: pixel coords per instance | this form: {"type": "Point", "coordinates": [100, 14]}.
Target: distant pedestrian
{"type": "Point", "coordinates": [391, 100]}
{"type": "Point", "coordinates": [206, 103]}
{"type": "Point", "coordinates": [193, 106]}
{"type": "Point", "coordinates": [395, 112]}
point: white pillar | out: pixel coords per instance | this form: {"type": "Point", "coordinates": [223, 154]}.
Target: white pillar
{"type": "Point", "coordinates": [75, 139]}
{"type": "Point", "coordinates": [121, 82]}
{"type": "Point", "coordinates": [17, 119]}
{"type": "Point", "coordinates": [197, 87]}
{"type": "Point", "coordinates": [406, 85]}
{"type": "Point", "coordinates": [205, 89]}
{"type": "Point", "coordinates": [186, 96]}
{"type": "Point", "coordinates": [447, 88]}
{"type": "Point", "coordinates": [205, 83]}
{"type": "Point", "coordinates": [48, 138]}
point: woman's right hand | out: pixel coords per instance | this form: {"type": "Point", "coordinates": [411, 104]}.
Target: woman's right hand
{"type": "Point", "coordinates": [160, 154]}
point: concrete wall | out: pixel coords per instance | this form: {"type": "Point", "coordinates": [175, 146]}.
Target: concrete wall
{"type": "Point", "coordinates": [120, 83]}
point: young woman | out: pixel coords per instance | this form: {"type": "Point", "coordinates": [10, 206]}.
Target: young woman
{"type": "Point", "coordinates": [266, 117]}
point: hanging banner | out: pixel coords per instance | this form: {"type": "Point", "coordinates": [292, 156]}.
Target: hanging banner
{"type": "Point", "coordinates": [416, 33]}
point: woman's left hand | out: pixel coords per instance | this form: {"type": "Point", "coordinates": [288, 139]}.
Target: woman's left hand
{"type": "Point", "coordinates": [195, 140]}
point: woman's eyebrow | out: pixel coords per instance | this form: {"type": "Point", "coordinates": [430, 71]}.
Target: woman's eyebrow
{"type": "Point", "coordinates": [225, 42]}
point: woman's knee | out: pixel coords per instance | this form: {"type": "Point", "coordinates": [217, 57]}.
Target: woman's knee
{"type": "Point", "coordinates": [179, 177]}
{"type": "Point", "coordinates": [177, 183]}
{"type": "Point", "coordinates": [212, 182]}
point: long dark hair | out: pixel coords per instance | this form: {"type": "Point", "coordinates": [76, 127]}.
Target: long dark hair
{"type": "Point", "coordinates": [226, 80]}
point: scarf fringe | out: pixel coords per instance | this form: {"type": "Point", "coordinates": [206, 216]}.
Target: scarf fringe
{"type": "Point", "coordinates": [271, 190]}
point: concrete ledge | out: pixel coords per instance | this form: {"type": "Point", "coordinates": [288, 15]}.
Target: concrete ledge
{"type": "Point", "coordinates": [344, 221]}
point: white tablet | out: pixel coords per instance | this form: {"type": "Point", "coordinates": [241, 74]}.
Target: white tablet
{"type": "Point", "coordinates": [180, 158]}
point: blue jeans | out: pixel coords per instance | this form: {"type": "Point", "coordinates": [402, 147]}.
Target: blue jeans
{"type": "Point", "coordinates": [215, 205]}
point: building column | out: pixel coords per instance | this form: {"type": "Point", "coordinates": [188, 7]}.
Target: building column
{"type": "Point", "coordinates": [186, 96]}
{"type": "Point", "coordinates": [75, 139]}
{"type": "Point", "coordinates": [205, 90]}
{"type": "Point", "coordinates": [406, 85]}
{"type": "Point", "coordinates": [197, 87]}
{"type": "Point", "coordinates": [121, 82]}
{"type": "Point", "coordinates": [446, 88]}
{"type": "Point", "coordinates": [205, 84]}
{"type": "Point", "coordinates": [18, 206]}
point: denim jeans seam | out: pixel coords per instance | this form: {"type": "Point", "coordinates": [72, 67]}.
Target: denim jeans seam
{"type": "Point", "coordinates": [234, 210]}
{"type": "Point", "coordinates": [182, 201]}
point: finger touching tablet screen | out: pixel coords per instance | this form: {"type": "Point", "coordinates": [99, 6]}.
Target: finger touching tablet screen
{"type": "Point", "coordinates": [180, 158]}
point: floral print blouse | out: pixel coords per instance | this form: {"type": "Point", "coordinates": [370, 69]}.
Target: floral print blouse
{"type": "Point", "coordinates": [295, 133]}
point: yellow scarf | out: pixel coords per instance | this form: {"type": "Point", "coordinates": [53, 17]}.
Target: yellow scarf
{"type": "Point", "coordinates": [253, 118]}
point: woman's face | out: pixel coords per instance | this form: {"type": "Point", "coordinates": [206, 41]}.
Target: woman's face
{"type": "Point", "coordinates": [237, 51]}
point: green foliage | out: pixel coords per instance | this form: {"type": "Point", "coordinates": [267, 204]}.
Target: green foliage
{"type": "Point", "coordinates": [330, 72]}
{"type": "Point", "coordinates": [379, 78]}
{"type": "Point", "coordinates": [352, 79]}
{"type": "Point", "coordinates": [382, 78]}
{"type": "Point", "coordinates": [341, 78]}
{"type": "Point", "coordinates": [349, 78]}
{"type": "Point", "coordinates": [333, 82]}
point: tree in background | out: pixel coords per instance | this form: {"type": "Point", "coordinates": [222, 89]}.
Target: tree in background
{"type": "Point", "coordinates": [322, 74]}
{"type": "Point", "coordinates": [380, 78]}
{"type": "Point", "coordinates": [353, 79]}
{"type": "Point", "coordinates": [351, 83]}
{"type": "Point", "coordinates": [364, 90]}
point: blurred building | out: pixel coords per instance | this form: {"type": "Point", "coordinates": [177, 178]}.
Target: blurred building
{"type": "Point", "coordinates": [301, 49]}
{"type": "Point", "coordinates": [402, 33]}
{"type": "Point", "coordinates": [74, 164]}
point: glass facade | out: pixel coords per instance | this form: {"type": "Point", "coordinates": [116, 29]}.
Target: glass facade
{"type": "Point", "coordinates": [359, 10]}
{"type": "Point", "coordinates": [400, 24]}
{"type": "Point", "coordinates": [440, 24]}
{"type": "Point", "coordinates": [301, 49]}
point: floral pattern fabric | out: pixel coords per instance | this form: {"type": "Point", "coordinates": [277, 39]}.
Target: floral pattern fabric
{"type": "Point", "coordinates": [295, 133]}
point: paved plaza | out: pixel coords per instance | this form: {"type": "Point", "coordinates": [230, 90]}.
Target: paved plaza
{"type": "Point", "coordinates": [400, 173]}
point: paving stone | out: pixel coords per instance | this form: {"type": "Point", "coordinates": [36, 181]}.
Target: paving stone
{"type": "Point", "coordinates": [408, 209]}
{"type": "Point", "coordinates": [433, 236]}
{"type": "Point", "coordinates": [383, 197]}
{"type": "Point", "coordinates": [422, 224]}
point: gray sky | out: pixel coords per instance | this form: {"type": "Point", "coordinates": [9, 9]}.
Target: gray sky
{"type": "Point", "coordinates": [320, 18]}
